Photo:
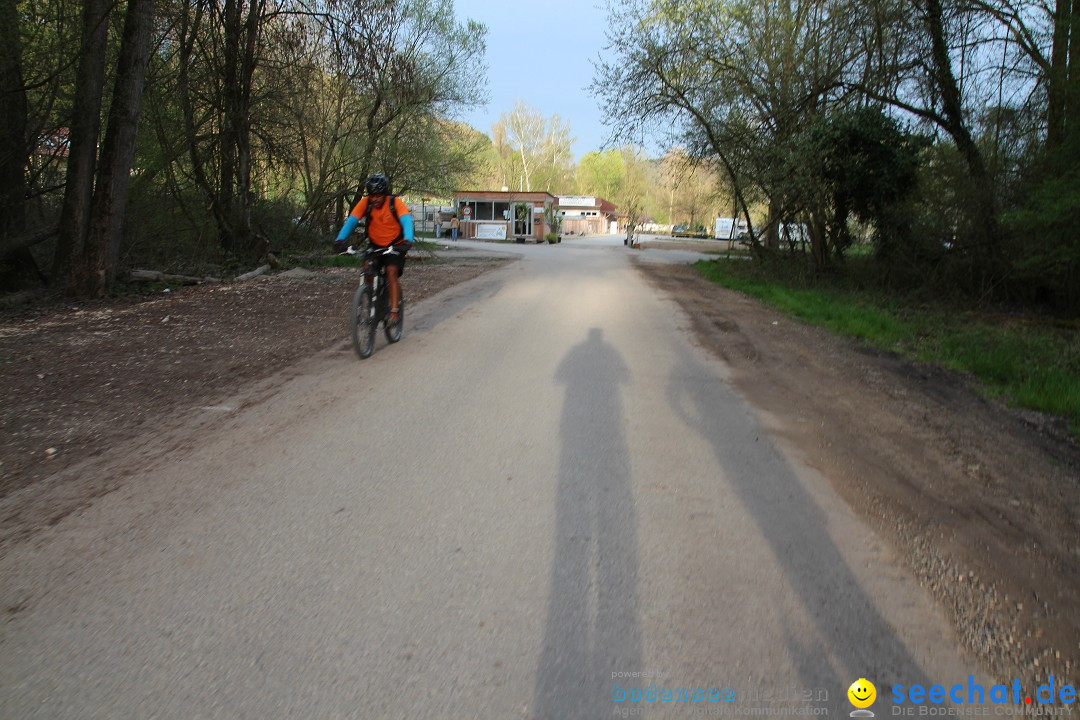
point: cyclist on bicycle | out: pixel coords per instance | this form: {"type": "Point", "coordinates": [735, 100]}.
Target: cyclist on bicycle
{"type": "Point", "coordinates": [388, 223]}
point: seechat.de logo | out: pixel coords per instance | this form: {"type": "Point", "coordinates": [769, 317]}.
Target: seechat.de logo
{"type": "Point", "coordinates": [862, 695]}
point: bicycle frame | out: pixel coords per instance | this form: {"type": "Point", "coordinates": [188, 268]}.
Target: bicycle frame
{"type": "Point", "coordinates": [379, 305]}
{"type": "Point", "coordinates": [367, 315]}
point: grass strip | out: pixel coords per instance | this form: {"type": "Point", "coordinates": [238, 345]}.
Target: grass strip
{"type": "Point", "coordinates": [1024, 360]}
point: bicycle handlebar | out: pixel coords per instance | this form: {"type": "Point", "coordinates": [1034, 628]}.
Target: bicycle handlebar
{"type": "Point", "coordinates": [389, 250]}
{"type": "Point", "coordinates": [372, 250]}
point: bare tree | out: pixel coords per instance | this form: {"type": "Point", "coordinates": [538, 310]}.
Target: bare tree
{"type": "Point", "coordinates": [695, 187]}
{"type": "Point", "coordinates": [634, 191]}
{"type": "Point", "coordinates": [523, 128]}
{"type": "Point", "coordinates": [557, 157]}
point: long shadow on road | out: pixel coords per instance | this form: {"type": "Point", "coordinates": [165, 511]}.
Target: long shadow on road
{"type": "Point", "coordinates": [592, 626]}
{"type": "Point", "coordinates": [850, 638]}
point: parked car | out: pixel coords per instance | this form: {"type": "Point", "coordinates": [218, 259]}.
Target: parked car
{"type": "Point", "coordinates": [698, 231]}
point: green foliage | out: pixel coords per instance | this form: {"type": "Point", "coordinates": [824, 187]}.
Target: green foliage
{"type": "Point", "coordinates": [765, 91]}
{"type": "Point", "coordinates": [867, 160]}
{"type": "Point", "coordinates": [834, 310]}
{"type": "Point", "coordinates": [254, 134]}
{"type": "Point", "coordinates": [1045, 229]}
{"type": "Point", "coordinates": [479, 167]}
{"type": "Point", "coordinates": [846, 175]}
{"type": "Point", "coordinates": [601, 173]}
{"type": "Point", "coordinates": [1030, 363]}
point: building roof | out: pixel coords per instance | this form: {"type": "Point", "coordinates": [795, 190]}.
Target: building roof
{"type": "Point", "coordinates": [508, 194]}
{"type": "Point", "coordinates": [587, 201]}
{"type": "Point", "coordinates": [562, 201]}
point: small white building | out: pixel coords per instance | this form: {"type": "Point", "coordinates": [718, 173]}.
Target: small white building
{"type": "Point", "coordinates": [585, 214]}
{"type": "Point", "coordinates": [491, 215]}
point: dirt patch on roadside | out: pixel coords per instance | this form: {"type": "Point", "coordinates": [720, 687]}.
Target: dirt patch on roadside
{"type": "Point", "coordinates": [79, 378]}
{"type": "Point", "coordinates": [982, 501]}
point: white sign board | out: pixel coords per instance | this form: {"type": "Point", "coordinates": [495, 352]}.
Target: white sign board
{"type": "Point", "coordinates": [490, 231]}
{"type": "Point", "coordinates": [577, 201]}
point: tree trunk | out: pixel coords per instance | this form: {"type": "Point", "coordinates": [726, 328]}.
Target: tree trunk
{"type": "Point", "coordinates": [818, 241]}
{"type": "Point", "coordinates": [234, 197]}
{"type": "Point", "coordinates": [83, 138]}
{"type": "Point", "coordinates": [14, 151]}
{"type": "Point", "coordinates": [772, 226]}
{"type": "Point", "coordinates": [14, 146]}
{"type": "Point", "coordinates": [100, 253]}
{"type": "Point", "coordinates": [226, 190]}
{"type": "Point", "coordinates": [1072, 90]}
{"type": "Point", "coordinates": [246, 239]}
{"type": "Point", "coordinates": [984, 215]}
{"type": "Point", "coordinates": [1058, 75]}
{"type": "Point", "coordinates": [192, 27]}
{"type": "Point", "coordinates": [17, 266]}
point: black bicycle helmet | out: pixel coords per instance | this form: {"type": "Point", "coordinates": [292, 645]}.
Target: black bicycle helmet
{"type": "Point", "coordinates": [377, 184]}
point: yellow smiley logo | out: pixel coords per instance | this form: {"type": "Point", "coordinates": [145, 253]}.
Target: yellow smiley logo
{"type": "Point", "coordinates": [862, 693]}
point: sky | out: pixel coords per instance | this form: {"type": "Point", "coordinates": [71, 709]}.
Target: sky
{"type": "Point", "coordinates": [540, 53]}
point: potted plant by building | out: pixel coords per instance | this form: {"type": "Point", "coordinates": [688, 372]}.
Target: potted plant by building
{"type": "Point", "coordinates": [554, 221]}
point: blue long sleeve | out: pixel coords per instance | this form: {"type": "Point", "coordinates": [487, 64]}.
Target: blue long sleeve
{"type": "Point", "coordinates": [347, 228]}
{"type": "Point", "coordinates": [407, 227]}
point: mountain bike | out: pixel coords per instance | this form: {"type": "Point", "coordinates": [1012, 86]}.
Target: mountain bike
{"type": "Point", "coordinates": [371, 305]}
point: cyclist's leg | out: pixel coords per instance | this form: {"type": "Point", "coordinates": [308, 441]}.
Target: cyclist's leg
{"type": "Point", "coordinates": [393, 285]}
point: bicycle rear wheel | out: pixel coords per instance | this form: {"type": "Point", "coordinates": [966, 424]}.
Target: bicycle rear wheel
{"type": "Point", "coordinates": [393, 334]}
{"type": "Point", "coordinates": [362, 322]}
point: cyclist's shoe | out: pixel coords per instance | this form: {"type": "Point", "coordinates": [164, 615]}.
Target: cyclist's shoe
{"type": "Point", "coordinates": [392, 318]}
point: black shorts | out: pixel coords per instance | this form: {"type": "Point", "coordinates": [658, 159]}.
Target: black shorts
{"type": "Point", "coordinates": [379, 259]}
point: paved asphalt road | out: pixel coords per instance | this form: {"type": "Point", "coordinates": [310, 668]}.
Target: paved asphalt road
{"type": "Point", "coordinates": [545, 488]}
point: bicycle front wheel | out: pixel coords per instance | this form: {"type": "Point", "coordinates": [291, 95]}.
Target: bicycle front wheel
{"type": "Point", "coordinates": [393, 332]}
{"type": "Point", "coordinates": [362, 322]}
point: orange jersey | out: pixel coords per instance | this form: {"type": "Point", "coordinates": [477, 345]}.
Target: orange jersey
{"type": "Point", "coordinates": [383, 229]}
